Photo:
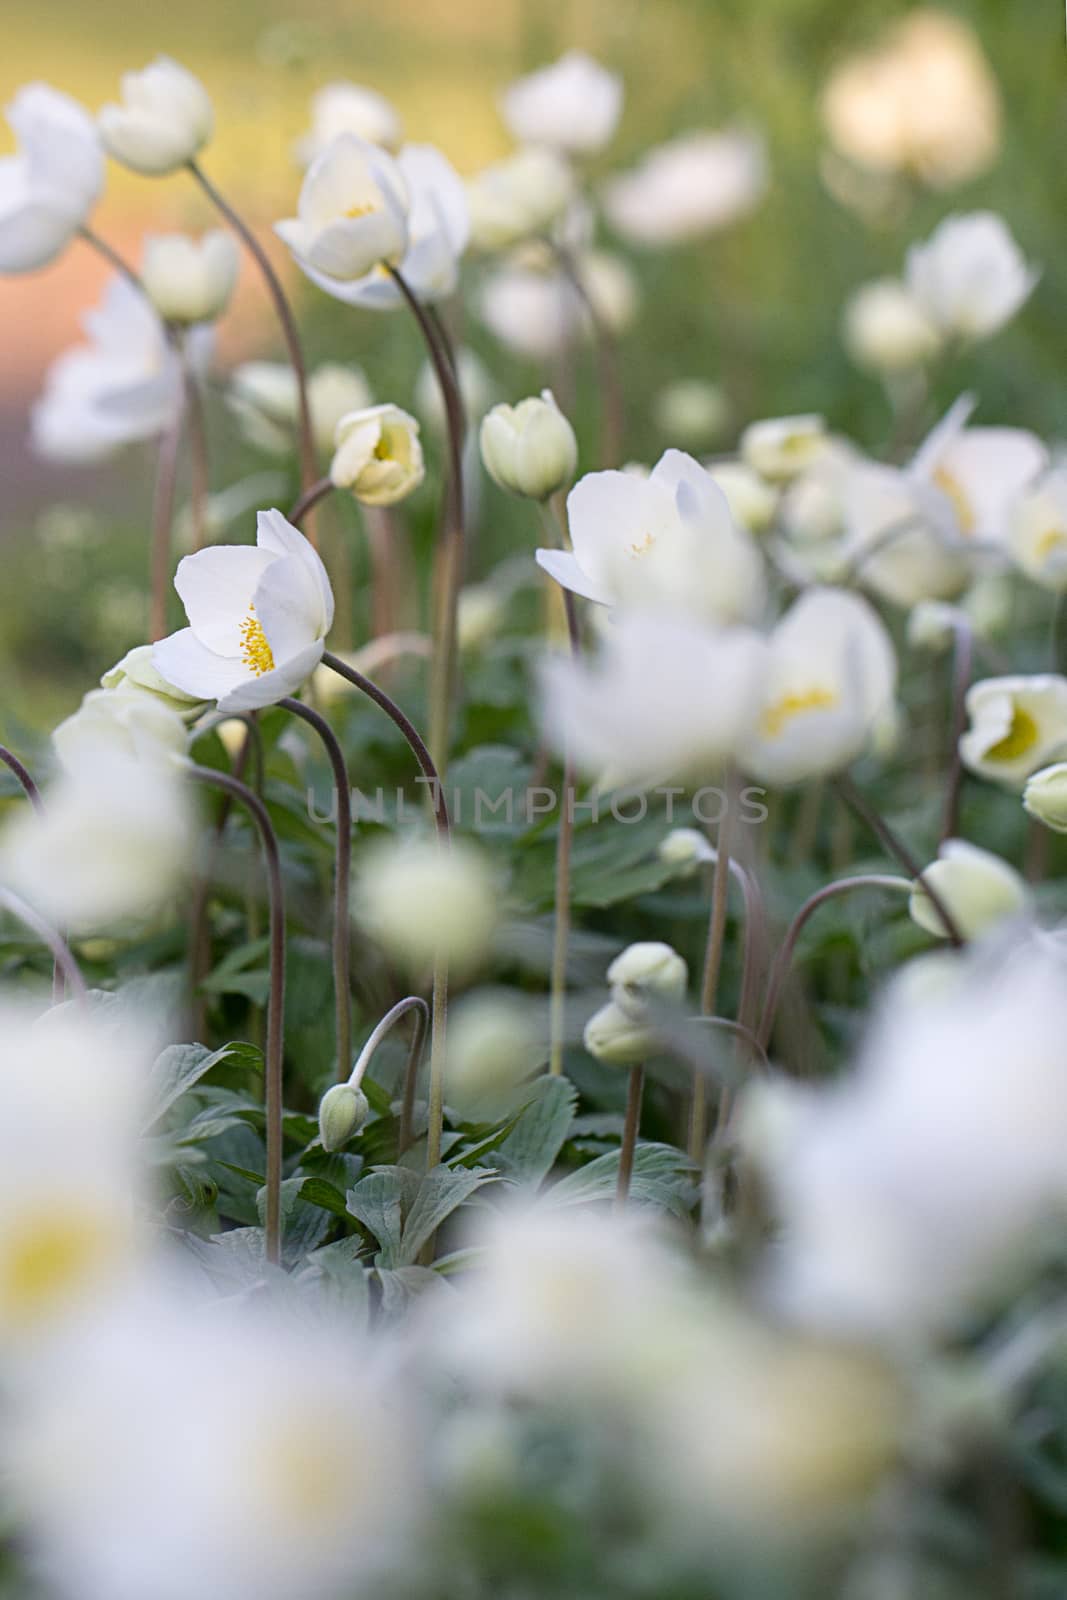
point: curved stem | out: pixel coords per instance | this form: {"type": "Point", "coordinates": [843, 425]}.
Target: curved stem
{"type": "Point", "coordinates": [163, 520]}
{"type": "Point", "coordinates": [111, 256]}
{"type": "Point", "coordinates": [199, 487]}
{"type": "Point", "coordinates": [284, 313]}
{"type": "Point", "coordinates": [899, 851]}
{"type": "Point", "coordinates": [50, 938]}
{"type": "Point", "coordinates": [631, 1128]}
{"type": "Point", "coordinates": [962, 671]}
{"type": "Point", "coordinates": [309, 499]}
{"type": "Point", "coordinates": [783, 960]}
{"type": "Point", "coordinates": [709, 987]}
{"type": "Point", "coordinates": [29, 788]}
{"type": "Point", "coordinates": [453, 540]}
{"type": "Point", "coordinates": [276, 1001]}
{"type": "Point", "coordinates": [417, 1004]}
{"type": "Point", "coordinates": [342, 935]}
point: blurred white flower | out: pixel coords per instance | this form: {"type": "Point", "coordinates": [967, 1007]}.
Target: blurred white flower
{"type": "Point", "coordinates": [493, 1043]}
{"type": "Point", "coordinates": [530, 448]}
{"type": "Point", "coordinates": [970, 277]}
{"type": "Point", "coordinates": [259, 615]}
{"type": "Point", "coordinates": [125, 385]}
{"type": "Point", "coordinates": [692, 186]}
{"type": "Point", "coordinates": [518, 197]}
{"type": "Point", "coordinates": [610, 287]}
{"type": "Point", "coordinates": [480, 615]}
{"type": "Point", "coordinates": [352, 215]}
{"type": "Point", "coordinates": [424, 900]}
{"type": "Point", "coordinates": [50, 186]}
{"type": "Point", "coordinates": [339, 108]}
{"type": "Point", "coordinates": [831, 677]}
{"type": "Point", "coordinates": [1045, 796]}
{"type": "Point", "coordinates": [977, 888]}
{"type": "Point", "coordinates": [691, 412]}
{"type": "Point", "coordinates": [190, 280]}
{"type": "Point", "coordinates": [752, 501]}
{"type": "Point", "coordinates": [887, 330]}
{"type": "Point", "coordinates": [667, 540]}
{"type": "Point", "coordinates": [532, 311]}
{"type": "Point", "coordinates": [263, 396]}
{"type": "Point", "coordinates": [164, 119]}
{"type": "Point", "coordinates": [895, 538]}
{"type": "Point", "coordinates": [572, 105]}
{"type": "Point", "coordinates": [779, 448]}
{"type": "Point", "coordinates": [139, 726]}
{"type": "Point", "coordinates": [812, 508]}
{"type": "Point", "coordinates": [934, 625]}
{"type": "Point", "coordinates": [1037, 530]}
{"type": "Point", "coordinates": [378, 455]}
{"type": "Point", "coordinates": [135, 675]}
{"type": "Point", "coordinates": [1017, 724]}
{"type": "Point", "coordinates": [976, 473]}
{"type": "Point", "coordinates": [664, 698]}
{"type": "Point", "coordinates": [686, 849]}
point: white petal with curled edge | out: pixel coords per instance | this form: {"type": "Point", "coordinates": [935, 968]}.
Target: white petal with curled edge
{"type": "Point", "coordinates": [217, 588]}
{"type": "Point", "coordinates": [562, 566]}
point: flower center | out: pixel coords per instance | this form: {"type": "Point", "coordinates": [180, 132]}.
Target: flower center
{"type": "Point", "coordinates": [362, 210]}
{"type": "Point", "coordinates": [781, 712]}
{"type": "Point", "coordinates": [642, 546]}
{"type": "Point", "coordinates": [49, 1254]}
{"type": "Point", "coordinates": [950, 485]}
{"type": "Point", "coordinates": [256, 653]}
{"type": "Point", "coordinates": [1050, 543]}
{"type": "Point", "coordinates": [1020, 737]}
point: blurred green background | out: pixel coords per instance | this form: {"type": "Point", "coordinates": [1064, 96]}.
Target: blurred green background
{"type": "Point", "coordinates": [756, 308]}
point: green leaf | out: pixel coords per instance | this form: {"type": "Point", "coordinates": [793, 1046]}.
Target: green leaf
{"type": "Point", "coordinates": [441, 1192]}
{"type": "Point", "coordinates": [318, 1192]}
{"type": "Point", "coordinates": [182, 1065]}
{"type": "Point", "coordinates": [379, 1201]}
{"type": "Point", "coordinates": [530, 1149]}
{"type": "Point", "coordinates": [662, 1177]}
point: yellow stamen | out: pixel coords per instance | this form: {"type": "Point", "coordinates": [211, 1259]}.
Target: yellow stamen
{"type": "Point", "coordinates": [1020, 737]}
{"type": "Point", "coordinates": [360, 210]}
{"type": "Point", "coordinates": [1049, 543]}
{"type": "Point", "coordinates": [47, 1258]}
{"type": "Point", "coordinates": [255, 650]}
{"type": "Point", "coordinates": [641, 547]}
{"type": "Point", "coordinates": [782, 711]}
{"type": "Point", "coordinates": [950, 485]}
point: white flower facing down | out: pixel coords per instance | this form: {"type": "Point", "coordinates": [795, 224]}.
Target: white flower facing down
{"type": "Point", "coordinates": [572, 105]}
{"type": "Point", "coordinates": [664, 698]}
{"type": "Point", "coordinates": [752, 501]}
{"type": "Point", "coordinates": [648, 970]}
{"type": "Point", "coordinates": [668, 540]}
{"type": "Point", "coordinates": [1037, 530]}
{"type": "Point", "coordinates": [264, 397]}
{"type": "Point", "coordinates": [779, 448]}
{"type": "Point", "coordinates": [339, 108]}
{"type": "Point", "coordinates": [830, 682]}
{"type": "Point", "coordinates": [695, 185]}
{"type": "Point", "coordinates": [50, 186]}
{"type": "Point", "coordinates": [352, 214]}
{"type": "Point", "coordinates": [378, 456]}
{"type": "Point", "coordinates": [190, 280]}
{"type": "Point", "coordinates": [164, 119]}
{"type": "Point", "coordinates": [1045, 796]}
{"type": "Point", "coordinates": [977, 888]}
{"type": "Point", "coordinates": [970, 277]}
{"type": "Point", "coordinates": [518, 197]}
{"type": "Point", "coordinates": [1017, 724]}
{"type": "Point", "coordinates": [258, 619]}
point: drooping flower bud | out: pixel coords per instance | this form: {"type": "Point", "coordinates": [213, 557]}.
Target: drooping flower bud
{"type": "Point", "coordinates": [342, 1112]}
{"type": "Point", "coordinates": [189, 280]}
{"type": "Point", "coordinates": [685, 849]}
{"type": "Point", "coordinates": [978, 889]}
{"type": "Point", "coordinates": [617, 1038]}
{"type": "Point", "coordinates": [1045, 796]}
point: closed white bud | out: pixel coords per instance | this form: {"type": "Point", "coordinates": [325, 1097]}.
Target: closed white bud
{"type": "Point", "coordinates": [752, 501]}
{"type": "Point", "coordinates": [479, 615]}
{"type": "Point", "coordinates": [647, 971]}
{"type": "Point", "coordinates": [189, 280]}
{"type": "Point", "coordinates": [164, 119]}
{"type": "Point", "coordinates": [933, 625]}
{"type": "Point", "coordinates": [135, 674]}
{"type": "Point", "coordinates": [424, 900]}
{"type": "Point", "coordinates": [780, 448]}
{"type": "Point", "coordinates": [378, 455]}
{"type": "Point", "coordinates": [691, 412]}
{"type": "Point", "coordinates": [517, 198]}
{"type": "Point", "coordinates": [886, 329]}
{"type": "Point", "coordinates": [977, 888]}
{"type": "Point", "coordinates": [342, 1112]}
{"type": "Point", "coordinates": [614, 1036]}
{"type": "Point", "coordinates": [686, 849]}
{"type": "Point", "coordinates": [1045, 796]}
{"type": "Point", "coordinates": [529, 448]}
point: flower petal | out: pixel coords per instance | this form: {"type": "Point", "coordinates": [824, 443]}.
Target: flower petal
{"type": "Point", "coordinates": [217, 587]}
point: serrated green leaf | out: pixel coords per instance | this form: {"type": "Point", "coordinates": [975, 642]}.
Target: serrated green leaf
{"type": "Point", "coordinates": [530, 1149]}
{"type": "Point", "coordinates": [182, 1065]}
{"type": "Point", "coordinates": [441, 1192]}
{"type": "Point", "coordinates": [379, 1201]}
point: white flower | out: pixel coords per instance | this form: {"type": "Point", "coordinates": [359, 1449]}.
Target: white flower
{"type": "Point", "coordinates": [976, 474]}
{"type": "Point", "coordinates": [686, 849]}
{"type": "Point", "coordinates": [532, 311]}
{"type": "Point", "coordinates": [352, 214]}
{"type": "Point", "coordinates": [691, 411]}
{"type": "Point", "coordinates": [493, 1044]}
{"type": "Point", "coordinates": [1017, 724]}
{"type": "Point", "coordinates": [139, 726]}
{"type": "Point", "coordinates": [664, 698]}
{"type": "Point", "coordinates": [378, 455]}
{"type": "Point", "coordinates": [114, 841]}
{"type": "Point", "coordinates": [752, 501]}
{"type": "Point", "coordinates": [970, 277]}
{"type": "Point", "coordinates": [1037, 530]}
{"type": "Point", "coordinates": [125, 385]}
{"type": "Point", "coordinates": [977, 888]}
{"type": "Point", "coordinates": [339, 108]}
{"type": "Point", "coordinates": [896, 538]}
{"type": "Point", "coordinates": [1045, 796]}
{"type": "Point", "coordinates": [437, 230]}
{"type": "Point", "coordinates": [812, 508]}
{"type": "Point", "coordinates": [164, 120]}
{"type": "Point", "coordinates": [258, 615]}
{"type": "Point", "coordinates": [573, 105]}
{"type": "Point", "coordinates": [520, 196]}
{"type": "Point", "coordinates": [614, 1035]}
{"type": "Point", "coordinates": [424, 900]}
{"type": "Point", "coordinates": [648, 969]}
{"type": "Point", "coordinates": [530, 448]}
{"type": "Point", "coordinates": [49, 188]}
{"type": "Point", "coordinates": [692, 186]}
{"type": "Point", "coordinates": [779, 448]}
{"type": "Point", "coordinates": [887, 330]}
{"type": "Point", "coordinates": [263, 396]}
{"type": "Point", "coordinates": [830, 680]}
{"type": "Point", "coordinates": [666, 540]}
{"type": "Point", "coordinates": [135, 675]}
{"type": "Point", "coordinates": [189, 280]}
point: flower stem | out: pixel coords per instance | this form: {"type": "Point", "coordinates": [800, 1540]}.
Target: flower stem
{"type": "Point", "coordinates": [898, 850]}
{"type": "Point", "coordinates": [962, 671]}
{"type": "Point", "coordinates": [29, 788]}
{"type": "Point", "coordinates": [631, 1128]}
{"type": "Point", "coordinates": [709, 988]}
{"type": "Point", "coordinates": [414, 1003]}
{"type": "Point", "coordinates": [61, 951]}
{"type": "Point", "coordinates": [276, 1000]}
{"type": "Point", "coordinates": [783, 959]}
{"type": "Point", "coordinates": [163, 520]}
{"type": "Point", "coordinates": [111, 256]}
{"type": "Point", "coordinates": [453, 539]}
{"type": "Point", "coordinates": [200, 484]}
{"type": "Point", "coordinates": [309, 499]}
{"type": "Point", "coordinates": [342, 936]}
{"type": "Point", "coordinates": [284, 313]}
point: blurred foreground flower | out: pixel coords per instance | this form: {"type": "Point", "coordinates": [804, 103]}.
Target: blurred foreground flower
{"type": "Point", "coordinates": [426, 901]}
{"type": "Point", "coordinates": [572, 105]}
{"type": "Point", "coordinates": [163, 120]}
{"type": "Point", "coordinates": [263, 396]}
{"type": "Point", "coordinates": [190, 280]}
{"type": "Point", "coordinates": [1037, 530]}
{"type": "Point", "coordinates": [50, 186]}
{"type": "Point", "coordinates": [694, 185]}
{"type": "Point", "coordinates": [518, 197]}
{"type": "Point", "coordinates": [888, 330]}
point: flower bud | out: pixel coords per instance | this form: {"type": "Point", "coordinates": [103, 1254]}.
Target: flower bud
{"type": "Point", "coordinates": [886, 329]}
{"type": "Point", "coordinates": [1045, 796]}
{"type": "Point", "coordinates": [165, 117]}
{"type": "Point", "coordinates": [378, 455]}
{"type": "Point", "coordinates": [189, 280]}
{"type": "Point", "coordinates": [617, 1038]}
{"type": "Point", "coordinates": [647, 971]}
{"type": "Point", "coordinates": [977, 888]}
{"type": "Point", "coordinates": [518, 197]}
{"type": "Point", "coordinates": [135, 674]}
{"type": "Point", "coordinates": [342, 1112]}
{"type": "Point", "coordinates": [423, 899]}
{"type": "Point", "coordinates": [780, 448]}
{"type": "Point", "coordinates": [752, 502]}
{"type": "Point", "coordinates": [529, 448]}
{"type": "Point", "coordinates": [691, 412]}
{"type": "Point", "coordinates": [933, 625]}
{"type": "Point", "coordinates": [686, 849]}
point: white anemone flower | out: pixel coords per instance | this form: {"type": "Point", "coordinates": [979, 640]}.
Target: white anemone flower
{"type": "Point", "coordinates": [692, 186]}
{"type": "Point", "coordinates": [258, 619]}
{"type": "Point", "coordinates": [164, 119]}
{"type": "Point", "coordinates": [438, 229]}
{"type": "Point", "coordinates": [518, 197]}
{"type": "Point", "coordinates": [970, 277]}
{"type": "Point", "coordinates": [339, 108]}
{"type": "Point", "coordinates": [138, 725]}
{"type": "Point", "coordinates": [352, 214]}
{"type": "Point", "coordinates": [669, 539]}
{"type": "Point", "coordinates": [1017, 724]}
{"type": "Point", "coordinates": [50, 186]}
{"type": "Point", "coordinates": [572, 105]}
{"type": "Point", "coordinates": [977, 888]}
{"type": "Point", "coordinates": [975, 474]}
{"type": "Point", "coordinates": [666, 697]}
{"type": "Point", "coordinates": [1037, 530]}
{"type": "Point", "coordinates": [830, 682]}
